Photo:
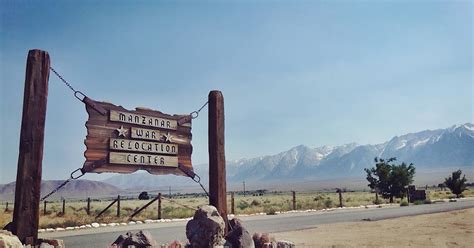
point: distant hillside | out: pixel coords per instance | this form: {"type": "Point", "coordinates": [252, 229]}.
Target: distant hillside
{"type": "Point", "coordinates": [431, 151]}
{"type": "Point", "coordinates": [428, 150]}
{"type": "Point", "coordinates": [74, 189]}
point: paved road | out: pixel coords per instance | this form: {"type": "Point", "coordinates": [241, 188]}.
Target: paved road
{"type": "Point", "coordinates": [165, 232]}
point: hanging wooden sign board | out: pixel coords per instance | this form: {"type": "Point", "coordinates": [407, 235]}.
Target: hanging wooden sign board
{"type": "Point", "coordinates": [123, 141]}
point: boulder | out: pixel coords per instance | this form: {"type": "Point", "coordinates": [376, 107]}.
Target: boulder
{"type": "Point", "coordinates": [238, 236]}
{"type": "Point", "coordinates": [141, 239]}
{"type": "Point", "coordinates": [206, 229]}
{"type": "Point", "coordinates": [56, 243]}
{"type": "Point", "coordinates": [263, 240]}
{"type": "Point", "coordinates": [8, 240]}
{"type": "Point", "coordinates": [285, 244]}
{"type": "Point", "coordinates": [175, 244]}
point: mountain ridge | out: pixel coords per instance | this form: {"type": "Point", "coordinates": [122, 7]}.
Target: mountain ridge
{"type": "Point", "coordinates": [427, 149]}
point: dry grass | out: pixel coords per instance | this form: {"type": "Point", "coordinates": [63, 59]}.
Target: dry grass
{"type": "Point", "coordinates": [268, 203]}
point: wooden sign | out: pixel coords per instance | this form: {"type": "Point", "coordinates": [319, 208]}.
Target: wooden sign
{"type": "Point", "coordinates": [124, 141]}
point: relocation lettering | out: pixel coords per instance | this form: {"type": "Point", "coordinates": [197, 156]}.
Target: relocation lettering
{"type": "Point", "coordinates": [124, 141]}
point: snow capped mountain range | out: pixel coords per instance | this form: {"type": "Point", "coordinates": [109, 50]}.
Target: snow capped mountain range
{"type": "Point", "coordinates": [429, 150]}
{"type": "Point", "coordinates": [451, 147]}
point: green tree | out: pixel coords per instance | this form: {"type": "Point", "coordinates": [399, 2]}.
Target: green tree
{"type": "Point", "coordinates": [455, 183]}
{"type": "Point", "coordinates": [389, 179]}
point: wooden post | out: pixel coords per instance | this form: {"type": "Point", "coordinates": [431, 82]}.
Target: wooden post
{"type": "Point", "coordinates": [159, 206]}
{"type": "Point", "coordinates": [232, 203]}
{"type": "Point", "coordinates": [6, 208]}
{"type": "Point", "coordinates": [118, 206]}
{"type": "Point", "coordinates": [88, 209]}
{"type": "Point", "coordinates": [217, 172]}
{"type": "Point", "coordinates": [44, 209]}
{"type": "Point", "coordinates": [294, 200]}
{"type": "Point", "coordinates": [30, 157]}
{"type": "Point", "coordinates": [64, 206]}
{"type": "Point", "coordinates": [340, 197]}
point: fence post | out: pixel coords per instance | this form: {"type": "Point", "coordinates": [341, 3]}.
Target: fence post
{"type": "Point", "coordinates": [216, 146]}
{"type": "Point", "coordinates": [26, 209]}
{"type": "Point", "coordinates": [44, 209]}
{"type": "Point", "coordinates": [232, 203]}
{"type": "Point", "coordinates": [6, 208]}
{"type": "Point", "coordinates": [340, 197]}
{"type": "Point", "coordinates": [294, 200]}
{"type": "Point", "coordinates": [88, 209]}
{"type": "Point", "coordinates": [159, 206]}
{"type": "Point", "coordinates": [118, 206]}
{"type": "Point", "coordinates": [64, 206]}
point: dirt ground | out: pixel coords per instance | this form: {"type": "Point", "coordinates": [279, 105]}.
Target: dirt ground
{"type": "Point", "coordinates": [450, 229]}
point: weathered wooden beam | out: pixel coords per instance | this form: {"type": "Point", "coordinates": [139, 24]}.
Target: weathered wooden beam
{"type": "Point", "coordinates": [159, 206]}
{"type": "Point", "coordinates": [30, 158]}
{"type": "Point", "coordinates": [294, 200]}
{"type": "Point", "coordinates": [217, 171]}
{"type": "Point", "coordinates": [88, 209]}
{"type": "Point", "coordinates": [105, 209]}
{"type": "Point", "coordinates": [118, 206]}
{"type": "Point", "coordinates": [146, 205]}
{"type": "Point", "coordinates": [232, 203]}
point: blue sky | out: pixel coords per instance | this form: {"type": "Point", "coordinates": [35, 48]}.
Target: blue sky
{"type": "Point", "coordinates": [292, 72]}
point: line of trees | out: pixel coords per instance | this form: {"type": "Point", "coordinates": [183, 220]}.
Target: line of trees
{"type": "Point", "coordinates": [391, 180]}
{"type": "Point", "coordinates": [455, 183]}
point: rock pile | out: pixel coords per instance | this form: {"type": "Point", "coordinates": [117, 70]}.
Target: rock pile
{"type": "Point", "coordinates": [141, 239]}
{"type": "Point", "coordinates": [205, 230]}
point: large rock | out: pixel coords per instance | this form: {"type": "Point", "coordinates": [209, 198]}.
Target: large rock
{"type": "Point", "coordinates": [239, 237]}
{"type": "Point", "coordinates": [285, 244]}
{"type": "Point", "coordinates": [263, 240]}
{"type": "Point", "coordinates": [141, 239]}
{"type": "Point", "coordinates": [56, 243]}
{"type": "Point", "coordinates": [8, 240]}
{"type": "Point", "coordinates": [206, 229]}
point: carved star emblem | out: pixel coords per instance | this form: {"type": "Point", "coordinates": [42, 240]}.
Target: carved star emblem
{"type": "Point", "coordinates": [122, 131]}
{"type": "Point", "coordinates": [167, 137]}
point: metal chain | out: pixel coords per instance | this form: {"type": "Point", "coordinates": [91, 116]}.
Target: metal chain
{"type": "Point", "coordinates": [198, 180]}
{"type": "Point", "coordinates": [195, 114]}
{"type": "Point", "coordinates": [56, 189]}
{"type": "Point", "coordinates": [72, 177]}
{"type": "Point", "coordinates": [76, 92]}
{"type": "Point", "coordinates": [62, 79]}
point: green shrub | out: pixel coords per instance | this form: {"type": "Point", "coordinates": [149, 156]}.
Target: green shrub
{"type": "Point", "coordinates": [243, 205]}
{"type": "Point", "coordinates": [378, 201]}
{"type": "Point", "coordinates": [404, 204]}
{"type": "Point", "coordinates": [318, 198]}
{"type": "Point", "coordinates": [255, 202]}
{"type": "Point", "coordinates": [328, 203]}
{"type": "Point", "coordinates": [419, 202]}
{"type": "Point", "coordinates": [270, 211]}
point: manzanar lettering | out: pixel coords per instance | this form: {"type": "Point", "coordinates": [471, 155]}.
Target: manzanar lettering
{"type": "Point", "coordinates": [143, 120]}
{"type": "Point", "coordinates": [147, 134]}
{"type": "Point", "coordinates": [143, 146]}
{"type": "Point", "coordinates": [142, 159]}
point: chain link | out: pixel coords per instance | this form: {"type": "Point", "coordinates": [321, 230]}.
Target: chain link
{"type": "Point", "coordinates": [72, 177]}
{"type": "Point", "coordinates": [200, 184]}
{"type": "Point", "coordinates": [62, 79]}
{"type": "Point", "coordinates": [56, 189]}
{"type": "Point", "coordinates": [195, 114]}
